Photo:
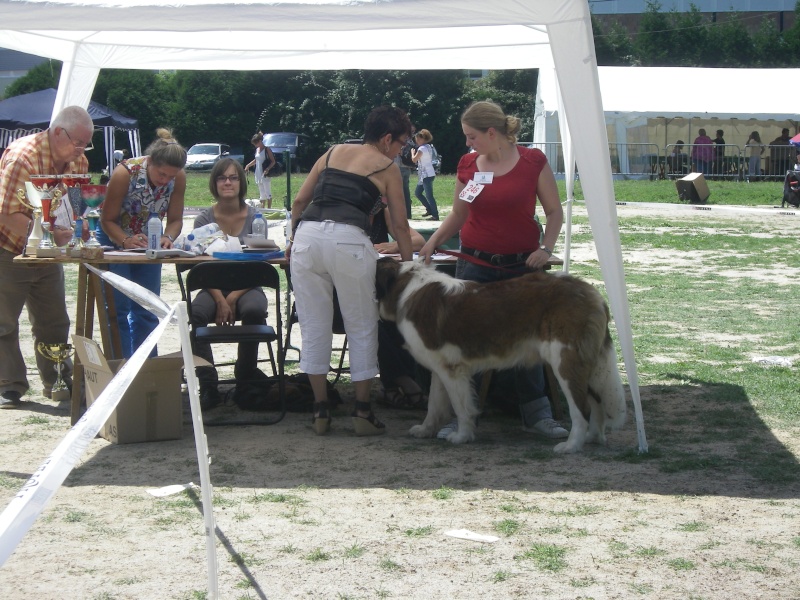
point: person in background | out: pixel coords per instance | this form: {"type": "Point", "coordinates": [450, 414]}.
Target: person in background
{"type": "Point", "coordinates": [719, 153]}
{"type": "Point", "coordinates": [676, 161]}
{"type": "Point", "coordinates": [228, 187]}
{"type": "Point", "coordinates": [498, 225]}
{"type": "Point", "coordinates": [56, 150]}
{"type": "Point", "coordinates": [702, 153]}
{"type": "Point", "coordinates": [756, 149]}
{"type": "Point", "coordinates": [406, 164]}
{"type": "Point", "coordinates": [397, 367]}
{"type": "Point", "coordinates": [329, 249]}
{"type": "Point", "coordinates": [780, 154]}
{"type": "Point", "coordinates": [423, 158]}
{"type": "Point", "coordinates": [155, 183]}
{"type": "Point", "coordinates": [263, 163]}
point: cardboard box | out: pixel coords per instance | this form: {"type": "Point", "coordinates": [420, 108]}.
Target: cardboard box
{"type": "Point", "coordinates": [693, 188]}
{"type": "Point", "coordinates": [151, 409]}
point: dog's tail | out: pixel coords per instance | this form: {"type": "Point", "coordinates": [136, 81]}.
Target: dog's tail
{"type": "Point", "coordinates": [606, 385]}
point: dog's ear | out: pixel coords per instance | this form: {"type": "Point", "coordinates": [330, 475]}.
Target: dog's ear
{"type": "Point", "coordinates": [385, 275]}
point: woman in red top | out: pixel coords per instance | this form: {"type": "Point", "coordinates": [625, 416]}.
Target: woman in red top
{"type": "Point", "coordinates": [495, 202]}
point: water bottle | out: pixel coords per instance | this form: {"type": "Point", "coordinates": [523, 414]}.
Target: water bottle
{"type": "Point", "coordinates": [206, 231]}
{"type": "Point", "coordinates": [154, 232]}
{"type": "Point", "coordinates": [259, 226]}
{"type": "Point", "coordinates": [189, 243]}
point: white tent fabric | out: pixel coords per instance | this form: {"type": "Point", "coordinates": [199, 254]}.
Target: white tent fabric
{"type": "Point", "coordinates": [632, 95]}
{"type": "Point", "coordinates": [88, 35]}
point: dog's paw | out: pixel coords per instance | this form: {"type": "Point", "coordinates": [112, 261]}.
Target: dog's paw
{"type": "Point", "coordinates": [420, 431]}
{"type": "Point", "coordinates": [461, 437]}
{"type": "Point", "coordinates": [596, 437]}
{"type": "Point", "coordinates": [566, 448]}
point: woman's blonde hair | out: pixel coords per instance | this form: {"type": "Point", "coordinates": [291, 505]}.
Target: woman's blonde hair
{"type": "Point", "coordinates": [166, 151]}
{"type": "Point", "coordinates": [425, 135]}
{"type": "Point", "coordinates": [484, 114]}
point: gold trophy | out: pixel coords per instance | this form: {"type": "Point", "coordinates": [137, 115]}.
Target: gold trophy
{"type": "Point", "coordinates": [44, 197]}
{"type": "Point", "coordinates": [58, 353]}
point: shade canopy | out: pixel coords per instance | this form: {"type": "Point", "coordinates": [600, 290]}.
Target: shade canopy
{"type": "Point", "coordinates": [89, 35]}
{"type": "Point", "coordinates": [34, 110]}
{"type": "Point", "coordinates": [27, 113]}
{"type": "Point", "coordinates": [635, 97]}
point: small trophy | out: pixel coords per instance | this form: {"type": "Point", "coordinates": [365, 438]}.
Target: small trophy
{"type": "Point", "coordinates": [93, 196]}
{"type": "Point", "coordinates": [58, 353]}
{"type": "Point", "coordinates": [44, 197]}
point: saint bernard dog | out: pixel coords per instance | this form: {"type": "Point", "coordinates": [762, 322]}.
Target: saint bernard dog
{"type": "Point", "coordinates": [458, 328]}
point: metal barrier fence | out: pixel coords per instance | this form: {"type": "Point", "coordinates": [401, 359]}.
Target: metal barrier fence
{"type": "Point", "coordinates": [719, 161]}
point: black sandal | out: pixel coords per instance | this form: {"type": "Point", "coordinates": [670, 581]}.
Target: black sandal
{"type": "Point", "coordinates": [321, 423]}
{"type": "Point", "coordinates": [368, 425]}
{"type": "Point", "coordinates": [398, 398]}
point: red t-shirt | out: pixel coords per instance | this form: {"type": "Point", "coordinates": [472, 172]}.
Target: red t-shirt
{"type": "Point", "coordinates": [500, 219]}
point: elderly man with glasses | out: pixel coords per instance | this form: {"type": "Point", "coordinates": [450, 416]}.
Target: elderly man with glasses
{"type": "Point", "coordinates": [59, 149]}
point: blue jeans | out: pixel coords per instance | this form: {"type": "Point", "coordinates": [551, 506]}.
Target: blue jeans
{"type": "Point", "coordinates": [135, 323]}
{"type": "Point", "coordinates": [426, 199]}
{"type": "Point", "coordinates": [529, 384]}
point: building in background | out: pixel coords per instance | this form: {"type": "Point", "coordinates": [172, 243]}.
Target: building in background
{"type": "Point", "coordinates": [628, 13]}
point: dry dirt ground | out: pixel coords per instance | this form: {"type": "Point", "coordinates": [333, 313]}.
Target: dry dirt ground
{"type": "Point", "coordinates": [338, 517]}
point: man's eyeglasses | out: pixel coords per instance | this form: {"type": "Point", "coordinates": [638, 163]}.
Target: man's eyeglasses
{"type": "Point", "coordinates": [79, 145]}
{"type": "Point", "coordinates": [401, 142]}
{"type": "Point", "coordinates": [224, 178]}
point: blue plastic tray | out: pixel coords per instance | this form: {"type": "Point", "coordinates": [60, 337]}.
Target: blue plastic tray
{"type": "Point", "coordinates": [248, 255]}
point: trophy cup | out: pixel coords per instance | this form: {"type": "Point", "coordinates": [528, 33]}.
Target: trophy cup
{"type": "Point", "coordinates": [44, 197]}
{"type": "Point", "coordinates": [58, 353]}
{"type": "Point", "coordinates": [33, 202]}
{"type": "Point", "coordinates": [93, 195]}
{"type": "Point", "coordinates": [50, 197]}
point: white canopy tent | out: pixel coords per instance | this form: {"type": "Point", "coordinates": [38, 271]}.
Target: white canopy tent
{"type": "Point", "coordinates": [88, 35]}
{"type": "Point", "coordinates": [657, 105]}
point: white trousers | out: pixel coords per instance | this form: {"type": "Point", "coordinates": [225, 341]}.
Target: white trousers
{"type": "Point", "coordinates": [264, 188]}
{"type": "Point", "coordinates": [327, 255]}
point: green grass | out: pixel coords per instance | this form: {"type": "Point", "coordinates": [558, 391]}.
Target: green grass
{"type": "Point", "coordinates": [736, 193]}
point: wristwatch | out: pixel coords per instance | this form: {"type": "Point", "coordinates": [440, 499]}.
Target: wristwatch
{"type": "Point", "coordinates": [546, 249]}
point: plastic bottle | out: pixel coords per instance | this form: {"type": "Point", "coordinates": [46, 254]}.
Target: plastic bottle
{"type": "Point", "coordinates": [259, 226]}
{"type": "Point", "coordinates": [154, 232]}
{"type": "Point", "coordinates": [189, 243]}
{"type": "Point", "coordinates": [206, 231]}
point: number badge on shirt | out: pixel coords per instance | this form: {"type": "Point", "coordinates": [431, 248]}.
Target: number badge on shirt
{"type": "Point", "coordinates": [470, 191]}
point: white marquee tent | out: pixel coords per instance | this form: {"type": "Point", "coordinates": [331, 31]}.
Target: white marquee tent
{"type": "Point", "coordinates": [88, 35]}
{"type": "Point", "coordinates": [658, 105]}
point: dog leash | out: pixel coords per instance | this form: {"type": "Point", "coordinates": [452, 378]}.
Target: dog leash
{"type": "Point", "coordinates": [481, 262]}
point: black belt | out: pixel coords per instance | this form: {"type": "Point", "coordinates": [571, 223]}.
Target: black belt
{"type": "Point", "coordinates": [499, 260]}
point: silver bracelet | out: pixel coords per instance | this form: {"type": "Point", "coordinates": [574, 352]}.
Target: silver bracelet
{"type": "Point", "coordinates": [169, 237]}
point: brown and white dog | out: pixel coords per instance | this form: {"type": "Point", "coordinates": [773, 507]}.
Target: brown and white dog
{"type": "Point", "coordinates": [457, 328]}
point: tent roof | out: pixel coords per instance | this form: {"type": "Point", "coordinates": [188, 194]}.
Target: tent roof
{"type": "Point", "coordinates": [33, 111]}
{"type": "Point", "coordinates": [691, 92]}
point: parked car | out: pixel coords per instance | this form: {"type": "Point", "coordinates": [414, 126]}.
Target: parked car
{"type": "Point", "coordinates": [295, 143]}
{"type": "Point", "coordinates": [202, 157]}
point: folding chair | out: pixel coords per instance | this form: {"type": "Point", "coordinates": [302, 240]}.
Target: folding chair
{"type": "Point", "coordinates": [241, 275]}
